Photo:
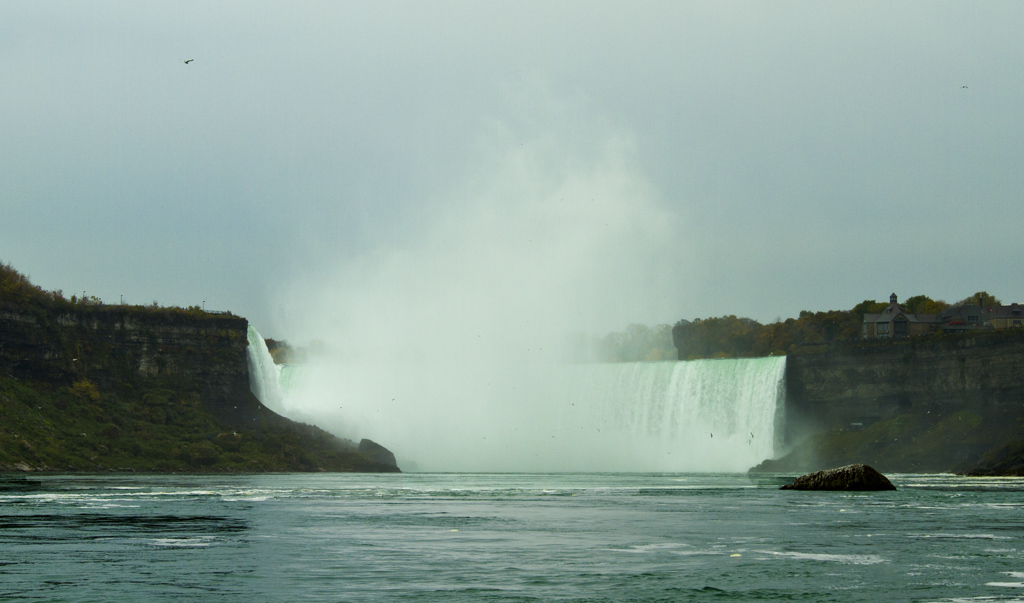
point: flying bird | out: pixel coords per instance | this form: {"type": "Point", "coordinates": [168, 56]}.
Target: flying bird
{"type": "Point", "coordinates": [963, 86]}
{"type": "Point", "coordinates": [187, 61]}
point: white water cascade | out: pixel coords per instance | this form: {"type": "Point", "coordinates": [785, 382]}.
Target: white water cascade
{"type": "Point", "coordinates": [264, 375]}
{"type": "Point", "coordinates": [702, 415]}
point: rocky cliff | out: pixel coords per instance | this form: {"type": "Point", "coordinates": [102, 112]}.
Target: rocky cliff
{"type": "Point", "coordinates": [918, 404]}
{"type": "Point", "coordinates": [119, 349]}
{"type": "Point", "coordinates": [84, 386]}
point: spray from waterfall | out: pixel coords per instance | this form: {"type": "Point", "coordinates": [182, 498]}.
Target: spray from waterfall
{"type": "Point", "coordinates": [703, 415]}
{"type": "Point", "coordinates": [450, 341]}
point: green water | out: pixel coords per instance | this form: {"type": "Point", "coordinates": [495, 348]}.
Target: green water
{"type": "Point", "coordinates": [480, 537]}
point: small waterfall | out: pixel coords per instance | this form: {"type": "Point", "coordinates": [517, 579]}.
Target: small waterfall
{"type": "Point", "coordinates": [264, 375]}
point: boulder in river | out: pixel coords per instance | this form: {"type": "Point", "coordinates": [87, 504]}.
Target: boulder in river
{"type": "Point", "coordinates": [851, 477]}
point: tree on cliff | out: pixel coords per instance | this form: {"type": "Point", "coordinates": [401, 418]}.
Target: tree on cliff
{"type": "Point", "coordinates": [637, 343]}
{"type": "Point", "coordinates": [16, 288]}
{"type": "Point", "coordinates": [922, 304]}
{"type": "Point", "coordinates": [724, 337]}
{"type": "Point", "coordinates": [981, 298]}
{"type": "Point", "coordinates": [732, 337]}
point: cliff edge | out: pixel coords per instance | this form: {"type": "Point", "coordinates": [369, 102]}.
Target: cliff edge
{"type": "Point", "coordinates": [944, 403]}
{"type": "Point", "coordinates": [87, 387]}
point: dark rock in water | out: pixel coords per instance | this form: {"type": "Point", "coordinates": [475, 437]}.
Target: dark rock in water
{"type": "Point", "coordinates": [376, 453]}
{"type": "Point", "coordinates": [851, 477]}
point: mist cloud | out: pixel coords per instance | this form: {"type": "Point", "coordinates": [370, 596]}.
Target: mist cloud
{"type": "Point", "coordinates": [456, 338]}
{"type": "Point", "coordinates": [536, 243]}
{"type": "Point", "coordinates": [328, 134]}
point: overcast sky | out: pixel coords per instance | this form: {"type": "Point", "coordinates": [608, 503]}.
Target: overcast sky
{"type": "Point", "coordinates": [587, 164]}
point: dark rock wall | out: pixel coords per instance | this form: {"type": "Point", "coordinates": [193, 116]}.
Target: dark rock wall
{"type": "Point", "coordinates": [119, 349]}
{"type": "Point", "coordinates": [855, 384]}
{"type": "Point", "coordinates": [130, 357]}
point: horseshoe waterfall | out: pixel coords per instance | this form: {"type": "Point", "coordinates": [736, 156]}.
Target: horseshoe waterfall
{"type": "Point", "coordinates": [700, 416]}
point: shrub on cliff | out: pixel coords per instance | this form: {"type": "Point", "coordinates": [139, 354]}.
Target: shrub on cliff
{"type": "Point", "coordinates": [15, 288]}
{"type": "Point", "coordinates": [85, 390]}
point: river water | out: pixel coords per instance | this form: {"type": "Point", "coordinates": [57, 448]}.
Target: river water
{"type": "Point", "coordinates": [505, 537]}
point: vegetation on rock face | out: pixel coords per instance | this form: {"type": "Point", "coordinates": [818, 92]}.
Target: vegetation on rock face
{"type": "Point", "coordinates": [86, 387]}
{"type": "Point", "coordinates": [1005, 460]}
{"type": "Point", "coordinates": [908, 443]}
{"type": "Point", "coordinates": [77, 428]}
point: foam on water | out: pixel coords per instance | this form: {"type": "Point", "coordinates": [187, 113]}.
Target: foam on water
{"type": "Point", "coordinates": [837, 558]}
{"type": "Point", "coordinates": [202, 541]}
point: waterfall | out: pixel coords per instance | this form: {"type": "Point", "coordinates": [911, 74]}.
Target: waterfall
{"type": "Point", "coordinates": [701, 415]}
{"type": "Point", "coordinates": [707, 414]}
{"type": "Point", "coordinates": [263, 373]}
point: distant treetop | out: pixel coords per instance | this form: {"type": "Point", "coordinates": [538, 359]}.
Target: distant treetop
{"type": "Point", "coordinates": [732, 337]}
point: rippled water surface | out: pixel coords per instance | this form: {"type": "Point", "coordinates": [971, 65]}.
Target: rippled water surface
{"type": "Point", "coordinates": [459, 537]}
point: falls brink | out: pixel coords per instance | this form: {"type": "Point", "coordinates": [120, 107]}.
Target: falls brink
{"type": "Point", "coordinates": [702, 415]}
{"type": "Point", "coordinates": [264, 375]}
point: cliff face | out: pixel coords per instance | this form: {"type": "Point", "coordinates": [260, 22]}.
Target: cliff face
{"type": "Point", "coordinates": [92, 387]}
{"type": "Point", "coordinates": [842, 385]}
{"type": "Point", "coordinates": [926, 403]}
{"type": "Point", "coordinates": [119, 349]}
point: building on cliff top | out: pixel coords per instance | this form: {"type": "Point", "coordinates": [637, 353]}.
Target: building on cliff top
{"type": "Point", "coordinates": [895, 322]}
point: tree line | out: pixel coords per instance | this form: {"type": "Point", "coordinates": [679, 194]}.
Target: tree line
{"type": "Point", "coordinates": [737, 337]}
{"type": "Point", "coordinates": [733, 337]}
{"type": "Point", "coordinates": [17, 290]}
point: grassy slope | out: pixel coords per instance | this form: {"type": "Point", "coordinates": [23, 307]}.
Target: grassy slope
{"type": "Point", "coordinates": [911, 443]}
{"type": "Point", "coordinates": [78, 428]}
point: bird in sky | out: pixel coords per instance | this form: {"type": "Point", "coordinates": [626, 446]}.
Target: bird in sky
{"type": "Point", "coordinates": [963, 86]}
{"type": "Point", "coordinates": [187, 61]}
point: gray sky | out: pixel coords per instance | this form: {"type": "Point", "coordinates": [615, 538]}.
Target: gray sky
{"type": "Point", "coordinates": [579, 165]}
